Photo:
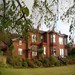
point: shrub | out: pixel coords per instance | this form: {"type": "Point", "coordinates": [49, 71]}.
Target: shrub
{"type": "Point", "coordinates": [3, 65]}
{"type": "Point", "coordinates": [54, 61]}
{"type": "Point", "coordinates": [40, 51]}
{"type": "Point", "coordinates": [38, 63]}
{"type": "Point", "coordinates": [73, 52]}
{"type": "Point", "coordinates": [46, 62]}
{"type": "Point", "coordinates": [31, 64]}
{"type": "Point", "coordinates": [25, 64]}
{"type": "Point", "coordinates": [14, 61]}
{"type": "Point", "coordinates": [71, 60]}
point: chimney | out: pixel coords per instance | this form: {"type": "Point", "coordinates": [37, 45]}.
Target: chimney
{"type": "Point", "coordinates": [59, 32]}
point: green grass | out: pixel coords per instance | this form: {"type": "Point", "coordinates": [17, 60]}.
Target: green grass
{"type": "Point", "coordinates": [63, 70]}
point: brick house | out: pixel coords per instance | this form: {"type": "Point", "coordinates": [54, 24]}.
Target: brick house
{"type": "Point", "coordinates": [51, 42]}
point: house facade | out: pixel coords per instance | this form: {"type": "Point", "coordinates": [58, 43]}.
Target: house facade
{"type": "Point", "coordinates": [51, 42]}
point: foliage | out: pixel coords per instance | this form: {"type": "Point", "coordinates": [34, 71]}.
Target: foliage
{"type": "Point", "coordinates": [3, 65]}
{"type": "Point", "coordinates": [46, 62]}
{"type": "Point", "coordinates": [6, 38]}
{"type": "Point", "coordinates": [69, 15]}
{"type": "Point", "coordinates": [14, 61]}
{"type": "Point", "coordinates": [11, 47]}
{"type": "Point", "coordinates": [73, 52]}
{"type": "Point", "coordinates": [25, 64]}
{"type": "Point", "coordinates": [31, 63]}
{"type": "Point", "coordinates": [54, 61]}
{"type": "Point", "coordinates": [13, 16]}
{"type": "Point", "coordinates": [70, 59]}
{"type": "Point", "coordinates": [38, 63]}
{"type": "Point", "coordinates": [40, 51]}
{"type": "Point", "coordinates": [43, 11]}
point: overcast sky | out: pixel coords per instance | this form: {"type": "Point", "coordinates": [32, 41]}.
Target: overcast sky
{"type": "Point", "coordinates": [63, 6]}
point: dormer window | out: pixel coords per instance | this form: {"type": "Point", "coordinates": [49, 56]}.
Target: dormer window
{"type": "Point", "coordinates": [20, 42]}
{"type": "Point", "coordinates": [34, 38]}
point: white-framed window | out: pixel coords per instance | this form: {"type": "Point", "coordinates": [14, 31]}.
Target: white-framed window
{"type": "Point", "coordinates": [34, 53]}
{"type": "Point", "coordinates": [20, 42]}
{"type": "Point", "coordinates": [20, 50]}
{"type": "Point", "coordinates": [54, 38]}
{"type": "Point", "coordinates": [60, 40]}
{"type": "Point", "coordinates": [34, 38]}
{"type": "Point", "coordinates": [44, 50]}
{"type": "Point", "coordinates": [54, 51]}
{"type": "Point", "coordinates": [62, 52]}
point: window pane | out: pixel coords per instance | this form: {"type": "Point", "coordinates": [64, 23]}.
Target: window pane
{"type": "Point", "coordinates": [34, 53]}
{"type": "Point", "coordinates": [45, 50]}
{"type": "Point", "coordinates": [20, 42]}
{"type": "Point", "coordinates": [34, 38]}
{"type": "Point", "coordinates": [54, 39]}
{"type": "Point", "coordinates": [60, 40]}
{"type": "Point", "coordinates": [19, 51]}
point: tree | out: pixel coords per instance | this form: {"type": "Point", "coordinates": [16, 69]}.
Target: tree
{"type": "Point", "coordinates": [13, 15]}
{"type": "Point", "coordinates": [5, 38]}
{"type": "Point", "coordinates": [69, 15]}
{"type": "Point", "coordinates": [42, 11]}
{"type": "Point", "coordinates": [72, 52]}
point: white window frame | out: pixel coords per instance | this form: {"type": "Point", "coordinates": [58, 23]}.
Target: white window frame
{"type": "Point", "coordinates": [20, 50]}
{"type": "Point", "coordinates": [20, 42]}
{"type": "Point", "coordinates": [34, 53]}
{"type": "Point", "coordinates": [54, 38]}
{"type": "Point", "coordinates": [61, 40]}
{"type": "Point", "coordinates": [33, 37]}
{"type": "Point", "coordinates": [44, 50]}
{"type": "Point", "coordinates": [54, 51]}
{"type": "Point", "coordinates": [62, 52]}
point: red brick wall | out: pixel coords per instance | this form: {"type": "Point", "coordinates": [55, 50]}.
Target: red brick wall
{"type": "Point", "coordinates": [46, 43]}
{"type": "Point", "coordinates": [16, 46]}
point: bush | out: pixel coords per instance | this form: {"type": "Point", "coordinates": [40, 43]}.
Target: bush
{"type": "Point", "coordinates": [3, 65]}
{"type": "Point", "coordinates": [38, 63]}
{"type": "Point", "coordinates": [54, 61]}
{"type": "Point", "coordinates": [14, 61]}
{"type": "Point", "coordinates": [31, 63]}
{"type": "Point", "coordinates": [46, 62]}
{"type": "Point", "coordinates": [70, 60]}
{"type": "Point", "coordinates": [25, 64]}
{"type": "Point", "coordinates": [73, 52]}
{"type": "Point", "coordinates": [40, 51]}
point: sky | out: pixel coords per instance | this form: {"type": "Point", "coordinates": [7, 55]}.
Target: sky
{"type": "Point", "coordinates": [63, 27]}
{"type": "Point", "coordinates": [63, 6]}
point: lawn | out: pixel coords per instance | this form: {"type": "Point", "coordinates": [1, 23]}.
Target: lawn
{"type": "Point", "coordinates": [63, 70]}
